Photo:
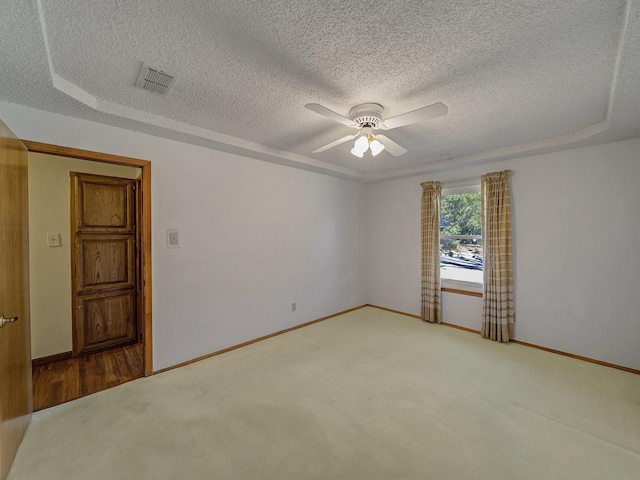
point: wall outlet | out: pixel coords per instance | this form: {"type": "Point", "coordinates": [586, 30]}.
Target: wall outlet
{"type": "Point", "coordinates": [53, 239]}
{"type": "Point", "coordinates": [293, 307]}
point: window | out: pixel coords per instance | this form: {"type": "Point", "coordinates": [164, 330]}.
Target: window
{"type": "Point", "coordinates": [461, 262]}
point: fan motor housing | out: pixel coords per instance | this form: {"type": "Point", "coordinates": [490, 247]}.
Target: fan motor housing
{"type": "Point", "coordinates": [367, 115]}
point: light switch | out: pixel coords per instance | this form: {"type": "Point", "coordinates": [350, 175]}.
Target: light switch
{"type": "Point", "coordinates": [173, 238]}
{"type": "Point", "coordinates": [53, 239]}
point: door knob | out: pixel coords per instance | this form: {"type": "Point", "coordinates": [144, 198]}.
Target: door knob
{"type": "Point", "coordinates": [7, 320]}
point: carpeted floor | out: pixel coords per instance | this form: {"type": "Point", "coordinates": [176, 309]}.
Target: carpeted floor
{"type": "Point", "coordinates": [366, 395]}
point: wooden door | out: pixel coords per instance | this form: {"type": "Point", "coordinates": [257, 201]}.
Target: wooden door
{"type": "Point", "coordinates": [104, 262]}
{"type": "Point", "coordinates": [15, 336]}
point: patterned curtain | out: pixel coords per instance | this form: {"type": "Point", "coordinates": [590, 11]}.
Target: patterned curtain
{"type": "Point", "coordinates": [430, 304]}
{"type": "Point", "coordinates": [497, 308]}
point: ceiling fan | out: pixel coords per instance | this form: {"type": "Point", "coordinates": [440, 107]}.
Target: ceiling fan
{"type": "Point", "coordinates": [368, 117]}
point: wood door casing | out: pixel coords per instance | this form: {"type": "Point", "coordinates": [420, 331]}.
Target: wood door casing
{"type": "Point", "coordinates": [15, 338]}
{"type": "Point", "coordinates": [104, 262]}
{"type": "Point", "coordinates": [145, 301]}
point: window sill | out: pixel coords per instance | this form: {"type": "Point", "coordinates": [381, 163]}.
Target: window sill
{"type": "Point", "coordinates": [461, 292]}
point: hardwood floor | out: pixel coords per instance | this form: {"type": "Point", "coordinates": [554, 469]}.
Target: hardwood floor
{"type": "Point", "coordinates": [66, 380]}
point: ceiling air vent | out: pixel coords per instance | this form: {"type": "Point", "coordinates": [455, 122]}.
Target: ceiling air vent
{"type": "Point", "coordinates": [154, 80]}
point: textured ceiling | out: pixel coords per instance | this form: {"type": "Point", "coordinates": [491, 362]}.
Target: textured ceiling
{"type": "Point", "coordinates": [518, 76]}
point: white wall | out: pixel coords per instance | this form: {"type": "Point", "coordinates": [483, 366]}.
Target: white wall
{"type": "Point", "coordinates": [255, 237]}
{"type": "Point", "coordinates": [577, 263]}
{"type": "Point", "coordinates": [50, 267]}
{"type": "Point", "coordinates": [258, 236]}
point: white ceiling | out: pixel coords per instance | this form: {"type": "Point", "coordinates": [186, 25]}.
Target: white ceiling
{"type": "Point", "coordinates": [518, 76]}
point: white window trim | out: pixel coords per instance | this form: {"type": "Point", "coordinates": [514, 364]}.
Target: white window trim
{"type": "Point", "coordinates": [461, 284]}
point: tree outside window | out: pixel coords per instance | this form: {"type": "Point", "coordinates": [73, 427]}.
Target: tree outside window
{"type": "Point", "coordinates": [461, 239]}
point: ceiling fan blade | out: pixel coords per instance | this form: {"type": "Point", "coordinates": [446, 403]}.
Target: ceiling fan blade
{"type": "Point", "coordinates": [392, 147]}
{"type": "Point", "coordinates": [336, 143]}
{"type": "Point", "coordinates": [336, 117]}
{"type": "Point", "coordinates": [419, 115]}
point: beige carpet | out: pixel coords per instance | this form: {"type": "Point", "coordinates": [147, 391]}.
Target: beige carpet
{"type": "Point", "coordinates": [367, 395]}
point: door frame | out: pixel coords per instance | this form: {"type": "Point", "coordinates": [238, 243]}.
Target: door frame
{"type": "Point", "coordinates": [145, 313]}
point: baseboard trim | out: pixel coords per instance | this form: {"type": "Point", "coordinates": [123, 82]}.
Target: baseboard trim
{"type": "Point", "coordinates": [579, 357]}
{"type": "Point", "coordinates": [418, 317]}
{"type": "Point", "coordinates": [394, 311]}
{"type": "Point", "coordinates": [57, 357]}
{"type": "Point", "coordinates": [470, 330]}
{"type": "Point", "coordinates": [256, 340]}
{"type": "Point", "coordinates": [531, 345]}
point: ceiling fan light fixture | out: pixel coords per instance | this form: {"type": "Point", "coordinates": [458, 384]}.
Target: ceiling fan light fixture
{"type": "Point", "coordinates": [367, 117]}
{"type": "Point", "coordinates": [357, 153]}
{"type": "Point", "coordinates": [361, 144]}
{"type": "Point", "coordinates": [376, 147]}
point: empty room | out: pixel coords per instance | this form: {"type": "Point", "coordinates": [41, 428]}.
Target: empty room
{"type": "Point", "coordinates": [319, 239]}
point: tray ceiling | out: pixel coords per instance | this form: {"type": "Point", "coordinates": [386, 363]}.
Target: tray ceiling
{"type": "Point", "coordinates": [518, 76]}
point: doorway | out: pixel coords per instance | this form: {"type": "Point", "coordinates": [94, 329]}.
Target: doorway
{"type": "Point", "coordinates": [64, 376]}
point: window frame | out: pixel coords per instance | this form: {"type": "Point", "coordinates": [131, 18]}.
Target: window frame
{"type": "Point", "coordinates": [463, 285]}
